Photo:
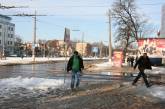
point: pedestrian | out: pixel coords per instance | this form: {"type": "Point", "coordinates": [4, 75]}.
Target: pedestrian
{"type": "Point", "coordinates": [143, 63]}
{"type": "Point", "coordinates": [136, 58]}
{"type": "Point", "coordinates": [75, 64]}
{"type": "Point", "coordinates": [128, 60]}
{"type": "Point", "coordinates": [132, 60]}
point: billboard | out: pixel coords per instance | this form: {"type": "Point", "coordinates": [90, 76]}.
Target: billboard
{"type": "Point", "coordinates": [95, 49]}
{"type": "Point", "coordinates": [153, 46]}
{"type": "Point", "coordinates": [117, 58]}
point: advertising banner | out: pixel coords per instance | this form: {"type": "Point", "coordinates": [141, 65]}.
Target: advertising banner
{"type": "Point", "coordinates": [117, 58]}
{"type": "Point", "coordinates": [153, 46]}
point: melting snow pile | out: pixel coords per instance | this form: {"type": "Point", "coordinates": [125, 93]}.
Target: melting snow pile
{"type": "Point", "coordinates": [27, 86]}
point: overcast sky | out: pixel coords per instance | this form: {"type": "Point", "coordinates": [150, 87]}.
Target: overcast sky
{"type": "Point", "coordinates": [88, 16]}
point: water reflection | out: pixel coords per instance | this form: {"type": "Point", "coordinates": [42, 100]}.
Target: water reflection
{"type": "Point", "coordinates": [34, 70]}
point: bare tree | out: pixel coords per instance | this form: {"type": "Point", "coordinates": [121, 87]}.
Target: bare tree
{"type": "Point", "coordinates": [128, 22]}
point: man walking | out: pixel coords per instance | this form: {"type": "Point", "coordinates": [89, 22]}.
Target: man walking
{"type": "Point", "coordinates": [75, 64]}
{"type": "Point", "coordinates": [143, 63]}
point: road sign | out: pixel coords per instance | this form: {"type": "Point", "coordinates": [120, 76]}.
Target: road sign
{"type": "Point", "coordinates": [95, 49]}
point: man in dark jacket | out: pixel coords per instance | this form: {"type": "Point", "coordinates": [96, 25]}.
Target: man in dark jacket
{"type": "Point", "coordinates": [143, 63]}
{"type": "Point", "coordinates": [75, 64]}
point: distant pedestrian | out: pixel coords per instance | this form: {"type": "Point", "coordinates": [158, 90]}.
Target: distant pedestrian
{"type": "Point", "coordinates": [132, 61]}
{"type": "Point", "coordinates": [22, 56]}
{"type": "Point", "coordinates": [143, 63]}
{"type": "Point", "coordinates": [128, 60]}
{"type": "Point", "coordinates": [136, 59]}
{"type": "Point", "coordinates": [75, 64]}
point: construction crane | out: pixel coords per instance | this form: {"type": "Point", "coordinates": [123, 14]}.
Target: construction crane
{"type": "Point", "coordinates": [10, 7]}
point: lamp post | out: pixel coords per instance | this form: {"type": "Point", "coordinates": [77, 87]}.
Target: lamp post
{"type": "Point", "coordinates": [82, 44]}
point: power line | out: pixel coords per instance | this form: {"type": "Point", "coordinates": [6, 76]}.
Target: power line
{"type": "Point", "coordinates": [50, 23]}
{"type": "Point", "coordinates": [10, 7]}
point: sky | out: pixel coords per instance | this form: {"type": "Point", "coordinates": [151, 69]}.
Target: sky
{"type": "Point", "coordinates": [86, 16]}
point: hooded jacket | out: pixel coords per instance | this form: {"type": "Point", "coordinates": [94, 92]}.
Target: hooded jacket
{"type": "Point", "coordinates": [70, 63]}
{"type": "Point", "coordinates": [143, 63]}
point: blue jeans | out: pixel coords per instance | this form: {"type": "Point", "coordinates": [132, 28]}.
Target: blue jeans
{"type": "Point", "coordinates": [75, 78]}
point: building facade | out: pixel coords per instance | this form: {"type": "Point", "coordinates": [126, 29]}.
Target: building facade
{"type": "Point", "coordinates": [162, 30]}
{"type": "Point", "coordinates": [7, 33]}
{"type": "Point", "coordinates": [84, 48]}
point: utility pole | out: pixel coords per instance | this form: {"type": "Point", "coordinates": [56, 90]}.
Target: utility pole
{"type": "Point", "coordinates": [82, 44]}
{"type": "Point", "coordinates": [4, 42]}
{"type": "Point", "coordinates": [34, 38]}
{"type": "Point", "coordinates": [44, 47]}
{"type": "Point", "coordinates": [110, 43]}
{"type": "Point", "coordinates": [101, 48]}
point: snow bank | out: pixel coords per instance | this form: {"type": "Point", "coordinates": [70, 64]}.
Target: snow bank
{"type": "Point", "coordinates": [27, 60]}
{"type": "Point", "coordinates": [154, 91]}
{"type": "Point", "coordinates": [29, 83]}
{"type": "Point", "coordinates": [156, 70]}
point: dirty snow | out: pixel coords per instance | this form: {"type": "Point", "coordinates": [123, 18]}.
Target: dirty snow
{"type": "Point", "coordinates": [29, 83]}
{"type": "Point", "coordinates": [105, 64]}
{"type": "Point", "coordinates": [156, 70]}
{"type": "Point", "coordinates": [158, 91]}
{"type": "Point", "coordinates": [26, 60]}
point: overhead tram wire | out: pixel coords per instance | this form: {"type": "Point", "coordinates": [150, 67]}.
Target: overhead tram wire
{"type": "Point", "coordinates": [93, 6]}
{"type": "Point", "coordinates": [50, 23]}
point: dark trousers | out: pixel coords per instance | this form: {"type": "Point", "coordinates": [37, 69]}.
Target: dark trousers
{"type": "Point", "coordinates": [141, 73]}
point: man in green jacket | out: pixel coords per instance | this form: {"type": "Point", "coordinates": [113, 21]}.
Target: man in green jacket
{"type": "Point", "coordinates": [75, 64]}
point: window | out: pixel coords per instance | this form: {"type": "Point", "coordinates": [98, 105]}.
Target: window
{"type": "Point", "coordinates": [11, 43]}
{"type": "Point", "coordinates": [0, 41]}
{"type": "Point", "coordinates": [8, 42]}
{"type": "Point", "coordinates": [11, 29]}
{"type": "Point", "coordinates": [0, 26]}
{"type": "Point", "coordinates": [11, 35]}
{"type": "Point", "coordinates": [0, 34]}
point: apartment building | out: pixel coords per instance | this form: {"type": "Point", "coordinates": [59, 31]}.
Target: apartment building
{"type": "Point", "coordinates": [84, 48]}
{"type": "Point", "coordinates": [7, 33]}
